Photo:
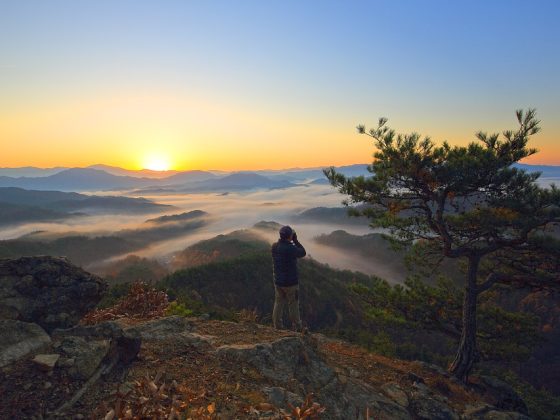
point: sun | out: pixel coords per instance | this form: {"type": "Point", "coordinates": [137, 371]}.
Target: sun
{"type": "Point", "coordinates": [157, 163]}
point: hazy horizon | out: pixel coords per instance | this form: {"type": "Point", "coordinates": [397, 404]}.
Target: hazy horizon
{"type": "Point", "coordinates": [183, 170]}
{"type": "Point", "coordinates": [261, 169]}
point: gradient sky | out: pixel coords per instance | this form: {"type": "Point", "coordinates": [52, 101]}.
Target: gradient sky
{"type": "Point", "coordinates": [266, 84]}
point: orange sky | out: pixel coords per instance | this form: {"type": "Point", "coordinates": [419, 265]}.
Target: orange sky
{"type": "Point", "coordinates": [134, 131]}
{"type": "Point", "coordinates": [265, 85]}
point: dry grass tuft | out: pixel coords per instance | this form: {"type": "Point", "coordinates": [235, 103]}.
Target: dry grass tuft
{"type": "Point", "coordinates": [309, 410]}
{"type": "Point", "coordinates": [153, 398]}
{"type": "Point", "coordinates": [247, 315]}
{"type": "Point", "coordinates": [141, 302]}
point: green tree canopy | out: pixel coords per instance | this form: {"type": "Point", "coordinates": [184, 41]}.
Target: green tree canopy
{"type": "Point", "coordinates": [469, 202]}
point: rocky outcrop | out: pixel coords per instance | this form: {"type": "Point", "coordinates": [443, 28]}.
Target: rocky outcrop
{"type": "Point", "coordinates": [51, 294]}
{"type": "Point", "coordinates": [48, 291]}
{"type": "Point", "coordinates": [236, 363]}
{"type": "Point", "coordinates": [296, 366]}
{"type": "Point", "coordinates": [37, 295]}
{"type": "Point", "coordinates": [82, 357]}
{"type": "Point", "coordinates": [295, 359]}
{"type": "Point", "coordinates": [161, 329]}
{"type": "Point", "coordinates": [176, 328]}
{"type": "Point", "coordinates": [88, 346]}
{"type": "Point", "coordinates": [19, 339]}
{"type": "Point", "coordinates": [244, 362]}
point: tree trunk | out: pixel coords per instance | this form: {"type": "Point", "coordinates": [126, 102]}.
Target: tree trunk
{"type": "Point", "coordinates": [467, 351]}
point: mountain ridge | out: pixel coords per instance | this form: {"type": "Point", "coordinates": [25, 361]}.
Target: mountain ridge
{"type": "Point", "coordinates": [52, 205]}
{"type": "Point", "coordinates": [104, 177]}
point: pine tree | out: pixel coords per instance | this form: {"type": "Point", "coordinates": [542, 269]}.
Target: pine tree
{"type": "Point", "coordinates": [468, 202]}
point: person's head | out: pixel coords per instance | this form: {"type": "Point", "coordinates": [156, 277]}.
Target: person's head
{"type": "Point", "coordinates": [286, 233]}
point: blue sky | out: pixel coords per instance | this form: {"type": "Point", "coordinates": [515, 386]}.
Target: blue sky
{"type": "Point", "coordinates": [443, 68]}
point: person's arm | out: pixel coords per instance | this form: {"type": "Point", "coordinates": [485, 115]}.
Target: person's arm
{"type": "Point", "coordinates": [298, 248]}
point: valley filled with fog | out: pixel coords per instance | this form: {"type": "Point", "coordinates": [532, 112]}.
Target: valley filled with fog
{"type": "Point", "coordinates": [159, 221]}
{"type": "Point", "coordinates": [235, 211]}
{"type": "Point", "coordinates": [101, 215]}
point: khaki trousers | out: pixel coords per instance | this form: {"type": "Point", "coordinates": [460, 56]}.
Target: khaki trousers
{"type": "Point", "coordinates": [286, 296]}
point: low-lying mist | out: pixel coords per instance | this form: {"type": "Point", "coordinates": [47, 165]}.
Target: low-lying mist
{"type": "Point", "coordinates": [226, 213]}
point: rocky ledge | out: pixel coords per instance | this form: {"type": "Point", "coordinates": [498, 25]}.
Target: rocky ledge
{"type": "Point", "coordinates": [47, 291]}
{"type": "Point", "coordinates": [234, 370]}
{"type": "Point", "coordinates": [176, 367]}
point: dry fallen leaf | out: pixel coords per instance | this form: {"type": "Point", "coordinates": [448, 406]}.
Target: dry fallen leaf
{"type": "Point", "coordinates": [265, 407]}
{"type": "Point", "coordinates": [153, 387]}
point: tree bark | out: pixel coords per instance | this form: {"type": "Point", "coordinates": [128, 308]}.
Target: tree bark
{"type": "Point", "coordinates": [467, 352]}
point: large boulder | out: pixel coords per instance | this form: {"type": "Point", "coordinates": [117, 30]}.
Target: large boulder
{"type": "Point", "coordinates": [175, 328]}
{"type": "Point", "coordinates": [107, 339]}
{"type": "Point", "coordinates": [48, 291]}
{"type": "Point", "coordinates": [19, 339]}
{"type": "Point", "coordinates": [86, 355]}
{"type": "Point", "coordinates": [293, 362]}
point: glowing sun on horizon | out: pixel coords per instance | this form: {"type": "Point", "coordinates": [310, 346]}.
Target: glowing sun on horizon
{"type": "Point", "coordinates": [157, 163]}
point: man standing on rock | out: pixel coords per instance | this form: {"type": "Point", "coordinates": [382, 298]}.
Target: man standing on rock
{"type": "Point", "coordinates": [285, 253]}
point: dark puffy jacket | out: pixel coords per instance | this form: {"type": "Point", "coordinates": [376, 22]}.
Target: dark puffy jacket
{"type": "Point", "coordinates": [284, 258]}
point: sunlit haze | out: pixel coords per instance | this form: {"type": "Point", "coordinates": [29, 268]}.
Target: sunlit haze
{"type": "Point", "coordinates": [254, 85]}
{"type": "Point", "coordinates": [157, 162]}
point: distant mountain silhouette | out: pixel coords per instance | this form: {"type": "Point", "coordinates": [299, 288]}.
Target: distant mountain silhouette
{"type": "Point", "coordinates": [30, 171]}
{"type": "Point", "coordinates": [305, 174]}
{"type": "Point", "coordinates": [320, 181]}
{"type": "Point", "coordinates": [178, 217]}
{"type": "Point", "coordinates": [142, 173]}
{"type": "Point", "coordinates": [316, 174]}
{"type": "Point", "coordinates": [237, 182]}
{"type": "Point", "coordinates": [24, 197]}
{"type": "Point", "coordinates": [354, 170]}
{"type": "Point", "coordinates": [267, 225]}
{"type": "Point", "coordinates": [188, 177]}
{"type": "Point", "coordinates": [76, 179]}
{"type": "Point", "coordinates": [150, 232]}
{"type": "Point", "coordinates": [89, 179]}
{"type": "Point", "coordinates": [14, 214]}
{"type": "Point", "coordinates": [167, 177]}
{"type": "Point", "coordinates": [545, 170]}
{"type": "Point", "coordinates": [104, 177]}
{"type": "Point", "coordinates": [110, 205]}
{"type": "Point", "coordinates": [51, 205]}
{"type": "Point", "coordinates": [329, 215]}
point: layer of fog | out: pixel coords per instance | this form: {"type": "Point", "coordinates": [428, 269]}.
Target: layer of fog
{"type": "Point", "coordinates": [228, 213]}
{"type": "Point", "coordinates": [242, 210]}
{"type": "Point", "coordinates": [338, 257]}
{"type": "Point", "coordinates": [91, 225]}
